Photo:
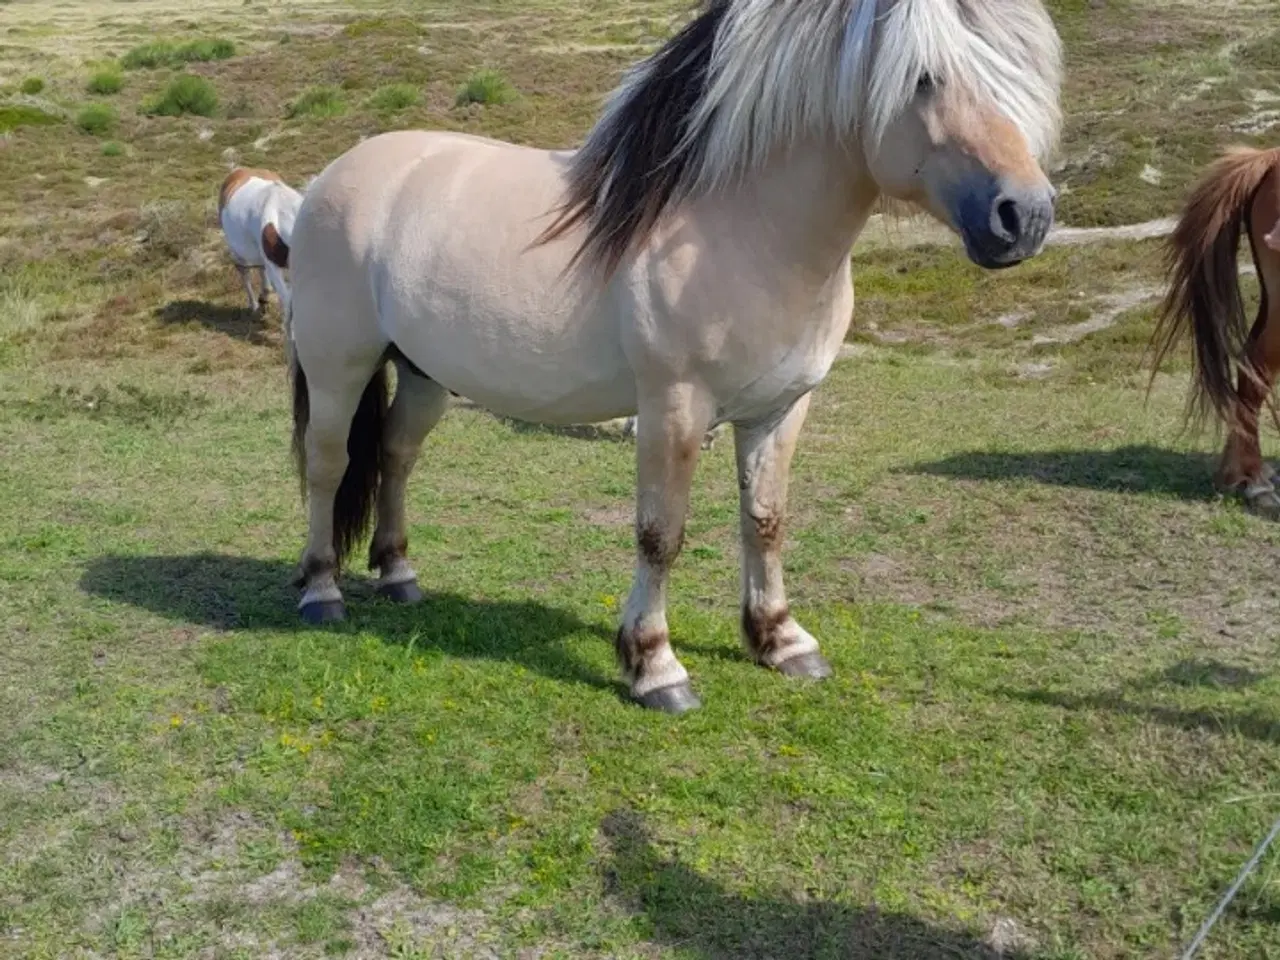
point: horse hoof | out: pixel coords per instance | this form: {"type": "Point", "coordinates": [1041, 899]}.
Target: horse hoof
{"type": "Point", "coordinates": [319, 612]}
{"type": "Point", "coordinates": [674, 700]}
{"type": "Point", "coordinates": [1266, 506]}
{"type": "Point", "coordinates": [811, 666]}
{"type": "Point", "coordinates": [406, 591]}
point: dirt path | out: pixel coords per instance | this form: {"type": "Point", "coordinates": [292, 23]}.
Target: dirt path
{"type": "Point", "coordinates": [882, 231]}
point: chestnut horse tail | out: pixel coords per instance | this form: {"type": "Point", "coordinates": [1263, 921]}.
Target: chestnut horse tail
{"type": "Point", "coordinates": [1204, 279]}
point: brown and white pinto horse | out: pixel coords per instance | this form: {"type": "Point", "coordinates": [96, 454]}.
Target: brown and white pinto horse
{"type": "Point", "coordinates": [256, 210]}
{"type": "Point", "coordinates": [689, 264]}
{"type": "Point", "coordinates": [1235, 362]}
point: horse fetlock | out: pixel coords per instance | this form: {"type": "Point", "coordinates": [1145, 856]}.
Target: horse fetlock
{"type": "Point", "coordinates": [774, 639]}
{"type": "Point", "coordinates": [646, 659]}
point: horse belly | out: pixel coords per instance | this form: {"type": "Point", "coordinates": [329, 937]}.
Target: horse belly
{"type": "Point", "coordinates": [542, 368]}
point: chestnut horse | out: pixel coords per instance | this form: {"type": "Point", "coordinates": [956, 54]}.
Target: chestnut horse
{"type": "Point", "coordinates": [1235, 362]}
{"type": "Point", "coordinates": [689, 264]}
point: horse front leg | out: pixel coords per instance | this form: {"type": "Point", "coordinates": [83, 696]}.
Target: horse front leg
{"type": "Point", "coordinates": [771, 634]}
{"type": "Point", "coordinates": [1242, 469]}
{"type": "Point", "coordinates": [419, 404]}
{"type": "Point", "coordinates": [668, 437]}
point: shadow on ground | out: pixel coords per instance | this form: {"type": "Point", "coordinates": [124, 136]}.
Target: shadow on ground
{"type": "Point", "coordinates": [1255, 724]}
{"type": "Point", "coordinates": [1134, 469]}
{"type": "Point", "coordinates": [708, 922]}
{"type": "Point", "coordinates": [238, 321]}
{"type": "Point", "coordinates": [246, 593]}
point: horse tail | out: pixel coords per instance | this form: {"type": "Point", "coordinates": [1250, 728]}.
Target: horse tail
{"type": "Point", "coordinates": [1204, 282]}
{"type": "Point", "coordinates": [357, 495]}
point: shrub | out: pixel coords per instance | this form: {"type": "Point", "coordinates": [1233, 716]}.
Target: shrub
{"type": "Point", "coordinates": [318, 102]}
{"type": "Point", "coordinates": [394, 96]}
{"type": "Point", "coordinates": [184, 94]}
{"type": "Point", "coordinates": [202, 51]}
{"type": "Point", "coordinates": [106, 81]}
{"type": "Point", "coordinates": [164, 53]}
{"type": "Point", "coordinates": [20, 115]}
{"type": "Point", "coordinates": [148, 56]}
{"type": "Point", "coordinates": [32, 85]}
{"type": "Point", "coordinates": [112, 149]}
{"type": "Point", "coordinates": [488, 87]}
{"type": "Point", "coordinates": [96, 118]}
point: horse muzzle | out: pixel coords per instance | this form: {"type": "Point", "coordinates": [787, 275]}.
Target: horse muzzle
{"type": "Point", "coordinates": [1007, 226]}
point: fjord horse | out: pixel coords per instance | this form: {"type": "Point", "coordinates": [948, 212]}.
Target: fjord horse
{"type": "Point", "coordinates": [256, 210]}
{"type": "Point", "coordinates": [690, 263]}
{"type": "Point", "coordinates": [1235, 362]}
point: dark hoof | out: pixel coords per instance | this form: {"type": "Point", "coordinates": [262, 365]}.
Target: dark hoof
{"type": "Point", "coordinates": [323, 611]}
{"type": "Point", "coordinates": [675, 700]}
{"type": "Point", "coordinates": [405, 592]}
{"type": "Point", "coordinates": [1265, 504]}
{"type": "Point", "coordinates": [813, 666]}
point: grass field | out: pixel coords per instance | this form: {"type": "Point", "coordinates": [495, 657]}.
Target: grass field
{"type": "Point", "coordinates": [1054, 729]}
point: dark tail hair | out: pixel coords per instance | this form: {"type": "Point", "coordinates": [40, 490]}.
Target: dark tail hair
{"type": "Point", "coordinates": [1204, 280]}
{"type": "Point", "coordinates": [358, 492]}
{"type": "Point", "coordinates": [274, 247]}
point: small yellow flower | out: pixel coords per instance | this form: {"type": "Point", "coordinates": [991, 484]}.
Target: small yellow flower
{"type": "Point", "coordinates": [176, 721]}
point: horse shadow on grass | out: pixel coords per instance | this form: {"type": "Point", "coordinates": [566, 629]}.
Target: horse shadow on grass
{"type": "Point", "coordinates": [704, 920]}
{"type": "Point", "coordinates": [233, 593]}
{"type": "Point", "coordinates": [237, 322]}
{"type": "Point", "coordinates": [1139, 469]}
{"type": "Point", "coordinates": [1260, 725]}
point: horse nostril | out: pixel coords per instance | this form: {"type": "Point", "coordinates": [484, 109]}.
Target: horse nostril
{"type": "Point", "coordinates": [1007, 224]}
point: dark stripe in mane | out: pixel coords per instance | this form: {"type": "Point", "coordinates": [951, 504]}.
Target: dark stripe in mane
{"type": "Point", "coordinates": [634, 165]}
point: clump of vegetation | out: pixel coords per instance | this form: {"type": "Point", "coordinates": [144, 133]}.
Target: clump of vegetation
{"type": "Point", "coordinates": [487, 87]}
{"type": "Point", "coordinates": [184, 94]}
{"type": "Point", "coordinates": [32, 85]}
{"type": "Point", "coordinates": [394, 96]}
{"type": "Point", "coordinates": [322, 101]}
{"type": "Point", "coordinates": [112, 149]}
{"type": "Point", "coordinates": [164, 53]}
{"type": "Point", "coordinates": [106, 81]}
{"type": "Point", "coordinates": [96, 118]}
{"type": "Point", "coordinates": [240, 107]}
{"type": "Point", "coordinates": [13, 116]}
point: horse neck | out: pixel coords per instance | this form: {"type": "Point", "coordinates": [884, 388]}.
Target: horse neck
{"type": "Point", "coordinates": [806, 205]}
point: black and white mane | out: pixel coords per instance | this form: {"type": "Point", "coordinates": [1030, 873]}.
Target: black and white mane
{"type": "Point", "coordinates": [745, 77]}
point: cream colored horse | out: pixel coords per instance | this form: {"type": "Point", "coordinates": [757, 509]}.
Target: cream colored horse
{"type": "Point", "coordinates": [690, 263]}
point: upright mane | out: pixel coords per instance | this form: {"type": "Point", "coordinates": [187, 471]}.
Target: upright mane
{"type": "Point", "coordinates": [746, 77]}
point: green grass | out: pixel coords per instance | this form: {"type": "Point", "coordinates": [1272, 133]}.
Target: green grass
{"type": "Point", "coordinates": [394, 96]}
{"type": "Point", "coordinates": [1054, 707]}
{"type": "Point", "coordinates": [97, 118]}
{"type": "Point", "coordinates": [486, 87]}
{"type": "Point", "coordinates": [164, 53]}
{"type": "Point", "coordinates": [32, 86]}
{"type": "Point", "coordinates": [185, 94]}
{"type": "Point", "coordinates": [13, 116]}
{"type": "Point", "coordinates": [106, 81]}
{"type": "Point", "coordinates": [320, 102]}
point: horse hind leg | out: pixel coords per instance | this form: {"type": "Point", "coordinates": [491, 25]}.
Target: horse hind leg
{"type": "Point", "coordinates": [246, 279]}
{"type": "Point", "coordinates": [1242, 468]}
{"type": "Point", "coordinates": [419, 404]}
{"type": "Point", "coordinates": [340, 420]}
